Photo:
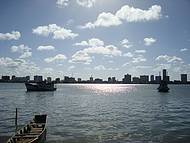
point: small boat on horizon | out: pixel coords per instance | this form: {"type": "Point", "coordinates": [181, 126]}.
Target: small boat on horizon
{"type": "Point", "coordinates": [163, 87]}
{"type": "Point", "coordinates": [40, 86]}
{"type": "Point", "coordinates": [34, 132]}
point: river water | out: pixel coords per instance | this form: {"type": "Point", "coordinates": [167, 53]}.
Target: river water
{"type": "Point", "coordinates": [101, 113]}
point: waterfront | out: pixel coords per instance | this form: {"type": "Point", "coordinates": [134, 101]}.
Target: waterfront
{"type": "Point", "coordinates": [101, 112]}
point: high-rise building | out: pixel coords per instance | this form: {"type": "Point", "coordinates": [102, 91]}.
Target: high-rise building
{"type": "Point", "coordinates": [5, 78]}
{"type": "Point", "coordinates": [158, 79]}
{"type": "Point", "coordinates": [164, 75]}
{"type": "Point", "coordinates": [183, 78]}
{"type": "Point", "coordinates": [91, 79]}
{"type": "Point", "coordinates": [152, 78]}
{"type": "Point", "coordinates": [109, 80]}
{"type": "Point", "coordinates": [144, 79]}
{"type": "Point", "coordinates": [136, 80]}
{"type": "Point", "coordinates": [113, 80]}
{"type": "Point", "coordinates": [127, 79]}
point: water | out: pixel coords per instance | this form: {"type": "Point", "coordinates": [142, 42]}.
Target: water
{"type": "Point", "coordinates": [101, 113]}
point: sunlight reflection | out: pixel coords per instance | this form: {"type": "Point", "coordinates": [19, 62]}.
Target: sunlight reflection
{"type": "Point", "coordinates": [109, 88]}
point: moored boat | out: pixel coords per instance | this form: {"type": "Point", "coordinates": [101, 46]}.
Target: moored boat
{"type": "Point", "coordinates": [163, 87]}
{"type": "Point", "coordinates": [40, 86]}
{"type": "Point", "coordinates": [34, 132]}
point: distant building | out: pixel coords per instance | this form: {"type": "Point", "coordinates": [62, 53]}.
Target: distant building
{"type": "Point", "coordinates": [98, 80]}
{"type": "Point", "coordinates": [113, 80]}
{"type": "Point", "coordinates": [5, 78]}
{"type": "Point", "coordinates": [48, 79]}
{"type": "Point", "coordinates": [164, 75]}
{"type": "Point", "coordinates": [183, 78]}
{"type": "Point", "coordinates": [57, 80]}
{"type": "Point", "coordinates": [69, 79]}
{"type": "Point", "coordinates": [38, 78]}
{"type": "Point", "coordinates": [109, 80]}
{"type": "Point", "coordinates": [13, 77]}
{"type": "Point", "coordinates": [79, 80]}
{"type": "Point", "coordinates": [158, 79]}
{"type": "Point", "coordinates": [152, 78]}
{"type": "Point", "coordinates": [136, 80]}
{"type": "Point", "coordinates": [144, 79]}
{"type": "Point", "coordinates": [91, 79]}
{"type": "Point", "coordinates": [127, 79]}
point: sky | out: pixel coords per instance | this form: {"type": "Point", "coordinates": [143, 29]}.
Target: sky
{"type": "Point", "coordinates": [101, 38]}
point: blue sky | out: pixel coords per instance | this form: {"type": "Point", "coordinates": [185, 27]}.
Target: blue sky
{"type": "Point", "coordinates": [94, 37]}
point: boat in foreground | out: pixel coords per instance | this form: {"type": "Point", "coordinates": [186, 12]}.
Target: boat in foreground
{"type": "Point", "coordinates": [34, 132]}
{"type": "Point", "coordinates": [40, 86]}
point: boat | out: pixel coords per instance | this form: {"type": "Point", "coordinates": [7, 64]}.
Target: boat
{"type": "Point", "coordinates": [163, 87]}
{"type": "Point", "coordinates": [40, 86]}
{"type": "Point", "coordinates": [34, 132]}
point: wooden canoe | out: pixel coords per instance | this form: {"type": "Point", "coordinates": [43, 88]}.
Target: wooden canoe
{"type": "Point", "coordinates": [34, 132]}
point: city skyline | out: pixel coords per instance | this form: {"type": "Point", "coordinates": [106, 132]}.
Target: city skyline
{"type": "Point", "coordinates": [127, 79]}
{"type": "Point", "coordinates": [91, 37]}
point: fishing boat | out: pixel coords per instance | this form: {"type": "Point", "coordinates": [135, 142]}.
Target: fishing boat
{"type": "Point", "coordinates": [163, 87]}
{"type": "Point", "coordinates": [34, 132]}
{"type": "Point", "coordinates": [40, 86]}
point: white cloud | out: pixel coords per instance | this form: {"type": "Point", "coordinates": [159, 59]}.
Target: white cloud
{"type": "Point", "coordinates": [86, 3]}
{"type": "Point", "coordinates": [138, 59]}
{"type": "Point", "coordinates": [127, 13]}
{"type": "Point", "coordinates": [126, 44]}
{"type": "Point", "coordinates": [149, 41]}
{"type": "Point", "coordinates": [140, 51]}
{"type": "Point", "coordinates": [62, 3]}
{"type": "Point", "coordinates": [104, 20]}
{"type": "Point", "coordinates": [183, 50]}
{"type": "Point", "coordinates": [81, 57]}
{"type": "Point", "coordinates": [94, 42]}
{"type": "Point", "coordinates": [17, 66]}
{"type": "Point", "coordinates": [25, 51]}
{"type": "Point", "coordinates": [14, 35]}
{"type": "Point", "coordinates": [57, 32]}
{"type": "Point", "coordinates": [57, 58]}
{"type": "Point", "coordinates": [128, 54]}
{"type": "Point", "coordinates": [131, 14]}
{"type": "Point", "coordinates": [169, 59]}
{"type": "Point", "coordinates": [45, 48]}
{"type": "Point", "coordinates": [96, 46]}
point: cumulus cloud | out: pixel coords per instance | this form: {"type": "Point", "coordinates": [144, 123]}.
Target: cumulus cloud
{"type": "Point", "coordinates": [95, 46]}
{"type": "Point", "coordinates": [140, 51]}
{"type": "Point", "coordinates": [169, 59]}
{"type": "Point", "coordinates": [126, 13]}
{"type": "Point", "coordinates": [45, 48]}
{"type": "Point", "coordinates": [14, 35]}
{"type": "Point", "coordinates": [57, 32]}
{"type": "Point", "coordinates": [149, 41]}
{"type": "Point", "coordinates": [138, 59]}
{"type": "Point", "coordinates": [62, 3]}
{"type": "Point", "coordinates": [25, 51]}
{"type": "Point", "coordinates": [128, 54]}
{"type": "Point", "coordinates": [57, 58]}
{"type": "Point", "coordinates": [103, 20]}
{"type": "Point", "coordinates": [126, 44]}
{"type": "Point", "coordinates": [17, 66]}
{"type": "Point", "coordinates": [94, 42]}
{"type": "Point", "coordinates": [81, 57]}
{"type": "Point", "coordinates": [86, 3]}
{"type": "Point", "coordinates": [183, 50]}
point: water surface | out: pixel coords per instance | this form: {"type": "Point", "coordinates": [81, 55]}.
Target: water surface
{"type": "Point", "coordinates": [101, 113]}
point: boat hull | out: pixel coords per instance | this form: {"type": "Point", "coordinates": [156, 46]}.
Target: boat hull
{"type": "Point", "coordinates": [34, 132]}
{"type": "Point", "coordinates": [38, 87]}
